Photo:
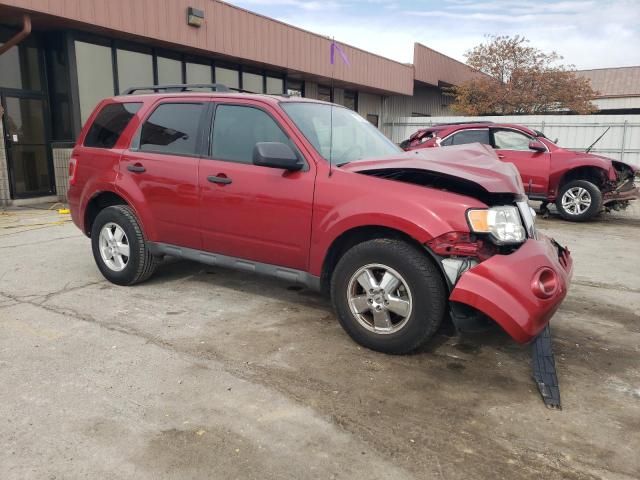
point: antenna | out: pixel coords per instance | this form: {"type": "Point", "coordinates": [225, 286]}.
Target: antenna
{"type": "Point", "coordinates": [597, 140]}
{"type": "Point", "coordinates": [334, 47]}
{"type": "Point", "coordinates": [331, 97]}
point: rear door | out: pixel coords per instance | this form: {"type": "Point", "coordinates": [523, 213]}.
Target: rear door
{"type": "Point", "coordinates": [160, 171]}
{"type": "Point", "coordinates": [513, 146]}
{"type": "Point", "coordinates": [253, 212]}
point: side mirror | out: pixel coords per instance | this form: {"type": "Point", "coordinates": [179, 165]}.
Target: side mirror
{"type": "Point", "coordinates": [276, 155]}
{"type": "Point", "coordinates": [537, 146]}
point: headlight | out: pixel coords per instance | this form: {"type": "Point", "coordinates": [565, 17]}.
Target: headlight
{"type": "Point", "coordinates": [502, 223]}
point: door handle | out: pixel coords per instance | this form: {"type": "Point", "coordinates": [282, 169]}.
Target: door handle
{"type": "Point", "coordinates": [137, 168]}
{"type": "Point", "coordinates": [500, 155]}
{"type": "Point", "coordinates": [219, 179]}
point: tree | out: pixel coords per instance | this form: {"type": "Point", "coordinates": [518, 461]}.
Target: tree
{"type": "Point", "coordinates": [520, 79]}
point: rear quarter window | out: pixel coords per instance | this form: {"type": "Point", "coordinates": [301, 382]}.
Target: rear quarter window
{"type": "Point", "coordinates": [109, 124]}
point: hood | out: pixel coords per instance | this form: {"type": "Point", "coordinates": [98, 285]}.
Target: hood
{"type": "Point", "coordinates": [472, 162]}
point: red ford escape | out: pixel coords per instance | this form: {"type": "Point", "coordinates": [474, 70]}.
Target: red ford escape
{"type": "Point", "coordinates": [580, 184]}
{"type": "Point", "coordinates": [310, 192]}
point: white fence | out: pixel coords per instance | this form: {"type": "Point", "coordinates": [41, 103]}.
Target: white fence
{"type": "Point", "coordinates": [575, 132]}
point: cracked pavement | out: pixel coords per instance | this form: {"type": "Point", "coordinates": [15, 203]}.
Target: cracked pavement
{"type": "Point", "coordinates": [207, 373]}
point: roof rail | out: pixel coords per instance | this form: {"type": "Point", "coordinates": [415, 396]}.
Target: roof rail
{"type": "Point", "coordinates": [461, 123]}
{"type": "Point", "coordinates": [184, 87]}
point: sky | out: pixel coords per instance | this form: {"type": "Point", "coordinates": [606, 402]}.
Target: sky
{"type": "Point", "coordinates": [587, 33]}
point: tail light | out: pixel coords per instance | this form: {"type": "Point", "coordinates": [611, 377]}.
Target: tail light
{"type": "Point", "coordinates": [73, 168]}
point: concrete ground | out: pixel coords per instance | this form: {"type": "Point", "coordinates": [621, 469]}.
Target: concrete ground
{"type": "Point", "coordinates": [208, 373]}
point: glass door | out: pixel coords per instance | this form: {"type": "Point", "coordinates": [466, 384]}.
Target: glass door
{"type": "Point", "coordinates": [26, 142]}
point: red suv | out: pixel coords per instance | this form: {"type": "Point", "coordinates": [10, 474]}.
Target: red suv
{"type": "Point", "coordinates": [581, 184]}
{"type": "Point", "coordinates": [311, 193]}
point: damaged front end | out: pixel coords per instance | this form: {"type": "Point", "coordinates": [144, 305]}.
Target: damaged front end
{"type": "Point", "coordinates": [619, 192]}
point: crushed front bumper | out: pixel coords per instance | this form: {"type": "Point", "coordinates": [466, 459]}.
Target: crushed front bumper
{"type": "Point", "coordinates": [520, 291]}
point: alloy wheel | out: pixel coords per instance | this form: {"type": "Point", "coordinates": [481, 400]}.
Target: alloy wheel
{"type": "Point", "coordinates": [114, 247]}
{"type": "Point", "coordinates": [379, 298]}
{"type": "Point", "coordinates": [576, 201]}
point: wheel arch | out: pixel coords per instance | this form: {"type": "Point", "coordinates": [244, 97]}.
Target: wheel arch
{"type": "Point", "coordinates": [363, 233]}
{"type": "Point", "coordinates": [591, 173]}
{"type": "Point", "coordinates": [99, 202]}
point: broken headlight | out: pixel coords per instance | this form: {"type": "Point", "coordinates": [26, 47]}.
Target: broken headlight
{"type": "Point", "coordinates": [502, 223]}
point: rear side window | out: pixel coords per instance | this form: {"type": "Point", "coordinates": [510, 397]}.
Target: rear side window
{"type": "Point", "coordinates": [172, 129]}
{"type": "Point", "coordinates": [109, 124]}
{"type": "Point", "coordinates": [468, 136]}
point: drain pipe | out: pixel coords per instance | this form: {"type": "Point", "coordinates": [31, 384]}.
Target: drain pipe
{"type": "Point", "coordinates": [18, 37]}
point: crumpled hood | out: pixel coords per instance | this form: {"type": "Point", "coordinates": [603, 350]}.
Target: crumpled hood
{"type": "Point", "coordinates": [474, 162]}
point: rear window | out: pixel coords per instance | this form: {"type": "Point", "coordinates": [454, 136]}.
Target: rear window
{"type": "Point", "coordinates": [172, 129]}
{"type": "Point", "coordinates": [109, 124]}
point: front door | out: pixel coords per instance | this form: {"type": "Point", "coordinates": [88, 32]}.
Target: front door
{"type": "Point", "coordinates": [513, 146]}
{"type": "Point", "coordinates": [27, 147]}
{"type": "Point", "coordinates": [253, 212]}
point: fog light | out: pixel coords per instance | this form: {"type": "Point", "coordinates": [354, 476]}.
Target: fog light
{"type": "Point", "coordinates": [545, 283]}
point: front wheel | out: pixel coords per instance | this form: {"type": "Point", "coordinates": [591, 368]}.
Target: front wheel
{"type": "Point", "coordinates": [579, 200]}
{"type": "Point", "coordinates": [389, 296]}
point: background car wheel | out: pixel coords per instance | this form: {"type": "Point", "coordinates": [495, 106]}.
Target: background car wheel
{"type": "Point", "coordinates": [579, 200]}
{"type": "Point", "coordinates": [119, 248]}
{"type": "Point", "coordinates": [389, 296]}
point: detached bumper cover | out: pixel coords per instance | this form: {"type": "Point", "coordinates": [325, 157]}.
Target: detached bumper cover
{"type": "Point", "coordinates": [520, 291]}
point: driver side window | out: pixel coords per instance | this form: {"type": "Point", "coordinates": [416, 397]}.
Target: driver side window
{"type": "Point", "coordinates": [510, 140]}
{"type": "Point", "coordinates": [237, 129]}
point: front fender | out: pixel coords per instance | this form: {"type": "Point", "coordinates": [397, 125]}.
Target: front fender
{"type": "Point", "coordinates": [350, 200]}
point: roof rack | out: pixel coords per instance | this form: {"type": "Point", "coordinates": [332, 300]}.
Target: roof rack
{"type": "Point", "coordinates": [184, 87]}
{"type": "Point", "coordinates": [461, 123]}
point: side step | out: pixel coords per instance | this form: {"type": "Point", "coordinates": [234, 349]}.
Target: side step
{"type": "Point", "coordinates": [544, 369]}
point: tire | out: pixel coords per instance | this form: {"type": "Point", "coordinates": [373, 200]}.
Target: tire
{"type": "Point", "coordinates": [582, 189]}
{"type": "Point", "coordinates": [139, 265]}
{"type": "Point", "coordinates": [422, 286]}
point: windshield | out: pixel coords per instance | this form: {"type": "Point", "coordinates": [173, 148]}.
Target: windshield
{"type": "Point", "coordinates": [341, 136]}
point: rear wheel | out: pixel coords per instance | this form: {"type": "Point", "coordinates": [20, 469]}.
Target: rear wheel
{"type": "Point", "coordinates": [579, 200]}
{"type": "Point", "coordinates": [389, 296]}
{"type": "Point", "coordinates": [119, 247]}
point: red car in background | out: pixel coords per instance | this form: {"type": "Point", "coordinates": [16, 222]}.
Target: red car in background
{"type": "Point", "coordinates": [580, 184]}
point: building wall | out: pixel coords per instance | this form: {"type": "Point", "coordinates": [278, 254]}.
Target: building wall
{"type": "Point", "coordinates": [228, 31]}
{"type": "Point", "coordinates": [4, 172]}
{"type": "Point", "coordinates": [370, 104]}
{"type": "Point", "coordinates": [426, 102]}
{"type": "Point", "coordinates": [617, 103]}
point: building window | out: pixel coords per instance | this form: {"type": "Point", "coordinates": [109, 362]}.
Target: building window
{"type": "Point", "coordinates": [373, 119]}
{"type": "Point", "coordinates": [228, 77]}
{"type": "Point", "coordinates": [109, 124]}
{"type": "Point", "coordinates": [325, 94]}
{"type": "Point", "coordinates": [252, 82]}
{"type": "Point", "coordinates": [59, 89]}
{"type": "Point", "coordinates": [295, 88]}
{"type": "Point", "coordinates": [275, 86]}
{"type": "Point", "coordinates": [172, 129]}
{"type": "Point", "coordinates": [95, 76]}
{"type": "Point", "coordinates": [198, 73]}
{"type": "Point", "coordinates": [135, 69]}
{"type": "Point", "coordinates": [256, 125]}
{"type": "Point", "coordinates": [169, 71]}
{"type": "Point", "coordinates": [20, 68]}
{"type": "Point", "coordinates": [351, 100]}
